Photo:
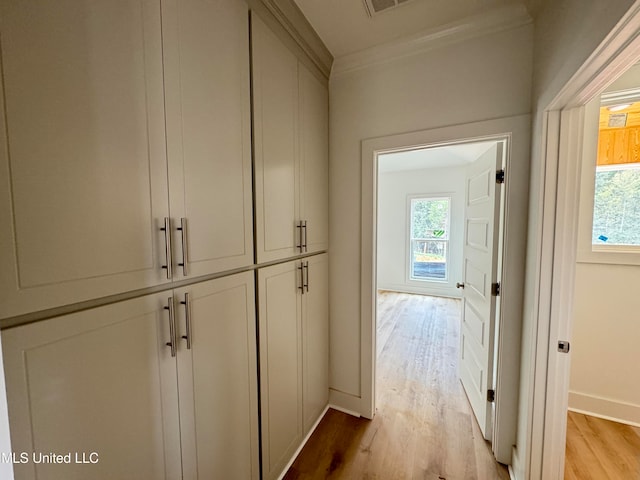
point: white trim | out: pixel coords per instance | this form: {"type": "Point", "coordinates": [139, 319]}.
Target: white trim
{"type": "Point", "coordinates": [344, 410]}
{"type": "Point", "coordinates": [516, 131]}
{"type": "Point", "coordinates": [304, 442]}
{"type": "Point", "coordinates": [606, 408]}
{"type": "Point", "coordinates": [549, 389]}
{"type": "Point", "coordinates": [493, 21]}
{"type": "Point", "coordinates": [429, 290]}
{"type": "Point", "coordinates": [345, 402]}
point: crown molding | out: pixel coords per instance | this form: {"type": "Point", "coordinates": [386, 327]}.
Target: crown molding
{"type": "Point", "coordinates": [291, 18]}
{"type": "Point", "coordinates": [494, 21]}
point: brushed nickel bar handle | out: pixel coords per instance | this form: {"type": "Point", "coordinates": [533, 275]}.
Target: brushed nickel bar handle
{"type": "Point", "coordinates": [301, 287]}
{"type": "Point", "coordinates": [304, 226]}
{"type": "Point", "coordinates": [183, 229]}
{"type": "Point", "coordinates": [306, 268]}
{"type": "Point", "coordinates": [167, 246]}
{"type": "Point", "coordinates": [172, 326]}
{"type": "Point", "coordinates": [187, 314]}
{"type": "Point", "coordinates": [300, 244]}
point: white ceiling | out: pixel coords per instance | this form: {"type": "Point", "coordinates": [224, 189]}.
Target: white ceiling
{"type": "Point", "coordinates": [345, 27]}
{"type": "Point", "coordinates": [434, 157]}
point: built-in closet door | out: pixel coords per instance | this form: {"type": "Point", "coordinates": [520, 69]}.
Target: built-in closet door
{"type": "Point", "coordinates": [315, 334]}
{"type": "Point", "coordinates": [279, 312]}
{"type": "Point", "coordinates": [99, 382]}
{"type": "Point", "coordinates": [83, 178]}
{"type": "Point", "coordinates": [314, 160]}
{"type": "Point", "coordinates": [275, 100]}
{"type": "Point", "coordinates": [206, 51]}
{"type": "Point", "coordinates": [217, 378]}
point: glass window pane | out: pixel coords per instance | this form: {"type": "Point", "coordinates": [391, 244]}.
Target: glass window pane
{"type": "Point", "coordinates": [429, 238]}
{"type": "Point", "coordinates": [616, 211]}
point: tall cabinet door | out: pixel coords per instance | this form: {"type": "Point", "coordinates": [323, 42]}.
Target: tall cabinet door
{"type": "Point", "coordinates": [217, 378]}
{"type": "Point", "coordinates": [279, 312]}
{"type": "Point", "coordinates": [275, 100]}
{"type": "Point", "coordinates": [315, 335]}
{"type": "Point", "coordinates": [82, 151]}
{"type": "Point", "coordinates": [314, 160]}
{"type": "Point", "coordinates": [206, 51]}
{"type": "Point", "coordinates": [101, 381]}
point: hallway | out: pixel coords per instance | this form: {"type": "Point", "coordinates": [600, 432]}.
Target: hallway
{"type": "Point", "coordinates": [423, 427]}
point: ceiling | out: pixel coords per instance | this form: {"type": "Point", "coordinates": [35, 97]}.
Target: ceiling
{"type": "Point", "coordinates": [345, 27]}
{"type": "Point", "coordinates": [433, 157]}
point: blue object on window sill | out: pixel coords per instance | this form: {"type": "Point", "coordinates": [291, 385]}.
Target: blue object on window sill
{"type": "Point", "coordinates": [603, 238]}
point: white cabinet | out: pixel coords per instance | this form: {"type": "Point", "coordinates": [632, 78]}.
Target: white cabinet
{"type": "Point", "coordinates": [217, 378]}
{"type": "Point", "coordinates": [105, 381]}
{"type": "Point", "coordinates": [88, 170]}
{"type": "Point", "coordinates": [315, 338]}
{"type": "Point", "coordinates": [291, 150]}
{"type": "Point", "coordinates": [206, 55]}
{"type": "Point", "coordinates": [293, 318]}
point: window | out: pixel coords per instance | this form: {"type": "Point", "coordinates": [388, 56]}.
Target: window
{"type": "Point", "coordinates": [429, 238]}
{"type": "Point", "coordinates": [616, 207]}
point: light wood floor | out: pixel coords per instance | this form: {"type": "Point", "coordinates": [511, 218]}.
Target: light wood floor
{"type": "Point", "coordinates": [598, 449]}
{"type": "Point", "coordinates": [423, 427]}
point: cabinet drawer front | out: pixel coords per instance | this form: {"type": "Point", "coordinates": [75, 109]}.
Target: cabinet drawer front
{"type": "Point", "coordinates": [99, 381]}
{"type": "Point", "coordinates": [82, 150]}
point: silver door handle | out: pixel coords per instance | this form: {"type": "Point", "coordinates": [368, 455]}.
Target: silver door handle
{"type": "Point", "coordinates": [183, 230]}
{"type": "Point", "coordinates": [301, 286]}
{"type": "Point", "coordinates": [300, 244]}
{"type": "Point", "coordinates": [167, 246]}
{"type": "Point", "coordinates": [304, 227]}
{"type": "Point", "coordinates": [187, 314]}
{"type": "Point", "coordinates": [459, 285]}
{"type": "Point", "coordinates": [172, 327]}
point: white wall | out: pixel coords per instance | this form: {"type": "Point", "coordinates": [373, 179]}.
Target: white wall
{"type": "Point", "coordinates": [479, 79]}
{"type": "Point", "coordinates": [566, 33]}
{"type": "Point", "coordinates": [605, 353]}
{"type": "Point", "coordinates": [394, 189]}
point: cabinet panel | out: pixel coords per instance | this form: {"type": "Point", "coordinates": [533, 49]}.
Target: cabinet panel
{"type": "Point", "coordinates": [279, 311]}
{"type": "Point", "coordinates": [275, 97]}
{"type": "Point", "coordinates": [99, 381]}
{"type": "Point", "coordinates": [218, 379]}
{"type": "Point", "coordinates": [314, 159]}
{"type": "Point", "coordinates": [315, 334]}
{"type": "Point", "coordinates": [206, 49]}
{"type": "Point", "coordinates": [82, 151]}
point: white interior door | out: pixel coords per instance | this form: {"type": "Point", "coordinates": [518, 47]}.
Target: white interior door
{"type": "Point", "coordinates": [480, 272]}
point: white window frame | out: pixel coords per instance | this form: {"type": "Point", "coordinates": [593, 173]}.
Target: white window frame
{"type": "Point", "coordinates": [588, 252]}
{"type": "Point", "coordinates": [409, 257]}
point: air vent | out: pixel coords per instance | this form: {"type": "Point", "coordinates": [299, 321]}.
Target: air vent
{"type": "Point", "coordinates": [374, 7]}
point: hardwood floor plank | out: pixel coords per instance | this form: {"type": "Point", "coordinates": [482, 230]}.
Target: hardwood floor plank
{"type": "Point", "coordinates": [601, 449]}
{"type": "Point", "coordinates": [423, 427]}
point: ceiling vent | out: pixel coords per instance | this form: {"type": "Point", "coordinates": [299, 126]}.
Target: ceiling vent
{"type": "Point", "coordinates": [374, 7]}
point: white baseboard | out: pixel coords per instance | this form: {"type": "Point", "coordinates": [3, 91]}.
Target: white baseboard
{"type": "Point", "coordinates": [432, 292]}
{"type": "Point", "coordinates": [304, 442]}
{"type": "Point", "coordinates": [345, 402]}
{"type": "Point", "coordinates": [606, 408]}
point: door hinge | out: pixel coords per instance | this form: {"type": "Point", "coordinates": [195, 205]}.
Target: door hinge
{"type": "Point", "coordinates": [495, 289]}
{"type": "Point", "coordinates": [500, 176]}
{"type": "Point", "coordinates": [491, 396]}
{"type": "Point", "coordinates": [563, 346]}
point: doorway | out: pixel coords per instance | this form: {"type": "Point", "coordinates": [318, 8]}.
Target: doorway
{"type": "Point", "coordinates": [514, 132]}
{"type": "Point", "coordinates": [438, 225]}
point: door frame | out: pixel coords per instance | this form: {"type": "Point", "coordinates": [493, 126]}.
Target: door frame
{"type": "Point", "coordinates": [561, 141]}
{"type": "Point", "coordinates": [516, 130]}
